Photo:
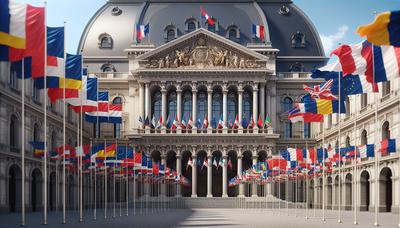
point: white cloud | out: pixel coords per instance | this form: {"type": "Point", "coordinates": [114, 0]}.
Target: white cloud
{"type": "Point", "coordinates": [331, 41]}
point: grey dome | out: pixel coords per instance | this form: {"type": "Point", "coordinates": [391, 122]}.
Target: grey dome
{"type": "Point", "coordinates": [281, 18]}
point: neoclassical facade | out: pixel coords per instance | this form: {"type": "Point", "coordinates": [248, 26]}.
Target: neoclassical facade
{"type": "Point", "coordinates": [185, 68]}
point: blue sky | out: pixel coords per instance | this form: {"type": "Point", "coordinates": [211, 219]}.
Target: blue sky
{"type": "Point", "coordinates": [335, 20]}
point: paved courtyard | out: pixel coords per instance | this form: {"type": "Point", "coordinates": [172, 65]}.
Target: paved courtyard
{"type": "Point", "coordinates": [206, 218]}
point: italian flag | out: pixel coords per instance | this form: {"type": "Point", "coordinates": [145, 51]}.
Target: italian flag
{"type": "Point", "coordinates": [267, 122]}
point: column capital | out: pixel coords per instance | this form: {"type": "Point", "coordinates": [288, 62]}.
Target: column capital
{"type": "Point", "coordinates": [255, 87]}
{"type": "Point", "coordinates": [209, 88]}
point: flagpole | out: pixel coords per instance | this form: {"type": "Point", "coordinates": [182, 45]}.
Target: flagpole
{"type": "Point", "coordinates": [23, 144]}
{"type": "Point", "coordinates": [279, 184]}
{"type": "Point", "coordinates": [64, 221]}
{"type": "Point", "coordinates": [355, 173]}
{"type": "Point", "coordinates": [323, 173]}
{"type": "Point", "coordinates": [376, 222]}
{"type": "Point", "coordinates": [315, 196]}
{"type": "Point", "coordinates": [127, 179]}
{"type": "Point", "coordinates": [115, 164]}
{"type": "Point", "coordinates": [105, 180]}
{"type": "Point", "coordinates": [80, 167]}
{"type": "Point", "coordinates": [97, 135]}
{"type": "Point", "coordinates": [340, 153]}
{"type": "Point", "coordinates": [77, 159]}
{"type": "Point", "coordinates": [94, 180]}
{"type": "Point", "coordinates": [45, 121]}
{"type": "Point", "coordinates": [287, 187]}
{"type": "Point", "coordinates": [307, 197]}
{"type": "Point", "coordinates": [134, 183]}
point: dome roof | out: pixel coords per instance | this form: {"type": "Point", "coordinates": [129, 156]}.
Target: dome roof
{"type": "Point", "coordinates": [284, 23]}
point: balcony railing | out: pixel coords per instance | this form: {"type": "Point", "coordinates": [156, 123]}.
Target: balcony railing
{"type": "Point", "coordinates": [294, 75]}
{"type": "Point", "coordinates": [204, 131]}
{"type": "Point", "coordinates": [111, 75]}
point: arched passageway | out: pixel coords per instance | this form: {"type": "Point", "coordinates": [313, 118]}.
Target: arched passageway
{"type": "Point", "coordinates": [36, 189]}
{"type": "Point", "coordinates": [201, 174]}
{"type": "Point", "coordinates": [385, 190]}
{"type": "Point", "coordinates": [186, 173]}
{"type": "Point", "coordinates": [364, 191]}
{"type": "Point", "coordinates": [14, 188]}
{"type": "Point", "coordinates": [232, 172]}
{"type": "Point", "coordinates": [217, 174]}
{"type": "Point", "coordinates": [348, 195]}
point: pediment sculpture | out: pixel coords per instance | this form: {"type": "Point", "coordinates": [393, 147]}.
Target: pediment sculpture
{"type": "Point", "coordinates": [202, 55]}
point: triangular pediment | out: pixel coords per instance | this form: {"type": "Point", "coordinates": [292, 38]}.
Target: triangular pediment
{"type": "Point", "coordinates": [202, 49]}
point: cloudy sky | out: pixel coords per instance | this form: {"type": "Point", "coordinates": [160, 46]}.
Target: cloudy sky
{"type": "Point", "coordinates": [335, 20]}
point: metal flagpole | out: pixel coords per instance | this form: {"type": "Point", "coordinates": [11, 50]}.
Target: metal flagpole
{"type": "Point", "coordinates": [127, 180]}
{"type": "Point", "coordinates": [340, 153]}
{"type": "Point", "coordinates": [80, 158]}
{"type": "Point", "coordinates": [77, 156]}
{"type": "Point", "coordinates": [23, 144]}
{"type": "Point", "coordinates": [45, 122]}
{"type": "Point", "coordinates": [115, 164]}
{"type": "Point", "coordinates": [279, 185]}
{"type": "Point", "coordinates": [134, 184]}
{"type": "Point", "coordinates": [64, 221]}
{"type": "Point", "coordinates": [97, 135]}
{"type": "Point", "coordinates": [296, 186]}
{"type": "Point", "coordinates": [376, 222]}
{"type": "Point", "coordinates": [105, 180]}
{"type": "Point", "coordinates": [323, 173]}
{"type": "Point", "coordinates": [355, 173]}
{"type": "Point", "coordinates": [315, 197]}
{"type": "Point", "coordinates": [307, 195]}
{"type": "Point", "coordinates": [287, 188]}
{"type": "Point", "coordinates": [94, 167]}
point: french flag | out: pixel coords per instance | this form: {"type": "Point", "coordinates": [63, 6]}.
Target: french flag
{"type": "Point", "coordinates": [357, 59]}
{"type": "Point", "coordinates": [205, 16]}
{"type": "Point", "coordinates": [259, 31]}
{"type": "Point", "coordinates": [142, 31]}
{"type": "Point", "coordinates": [366, 151]}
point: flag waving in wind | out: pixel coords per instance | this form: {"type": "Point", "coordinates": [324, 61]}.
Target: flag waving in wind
{"type": "Point", "coordinates": [205, 16]}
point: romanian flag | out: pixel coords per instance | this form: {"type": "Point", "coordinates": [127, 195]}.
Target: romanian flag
{"type": "Point", "coordinates": [385, 30]}
{"type": "Point", "coordinates": [38, 148]}
{"type": "Point", "coordinates": [22, 35]}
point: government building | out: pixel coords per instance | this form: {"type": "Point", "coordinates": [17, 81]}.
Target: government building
{"type": "Point", "coordinates": [187, 69]}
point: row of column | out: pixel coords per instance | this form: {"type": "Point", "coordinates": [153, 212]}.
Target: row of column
{"type": "Point", "coordinates": [145, 102]}
{"type": "Point", "coordinates": [209, 175]}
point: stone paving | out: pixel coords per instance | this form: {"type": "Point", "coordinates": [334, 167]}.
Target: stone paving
{"type": "Point", "coordinates": [206, 218]}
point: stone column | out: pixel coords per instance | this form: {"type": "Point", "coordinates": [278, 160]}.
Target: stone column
{"type": "Point", "coordinates": [255, 103]}
{"type": "Point", "coordinates": [209, 104]}
{"type": "Point", "coordinates": [164, 104]}
{"type": "Point", "coordinates": [240, 104]}
{"type": "Point", "coordinates": [164, 163]}
{"type": "Point", "coordinates": [179, 102]}
{"type": "Point", "coordinates": [194, 105]}
{"type": "Point", "coordinates": [194, 174]}
{"type": "Point", "coordinates": [225, 175]}
{"type": "Point", "coordinates": [142, 103]}
{"type": "Point", "coordinates": [262, 101]}
{"type": "Point", "coordinates": [254, 186]}
{"type": "Point", "coordinates": [179, 168]}
{"type": "Point", "coordinates": [273, 105]}
{"type": "Point", "coordinates": [147, 102]}
{"type": "Point", "coordinates": [209, 174]}
{"type": "Point", "coordinates": [225, 105]}
{"type": "Point", "coordinates": [239, 171]}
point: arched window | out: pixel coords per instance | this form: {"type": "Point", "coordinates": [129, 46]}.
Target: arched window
{"type": "Point", "coordinates": [13, 77]}
{"type": "Point", "coordinates": [287, 104]}
{"type": "Point", "coordinates": [36, 133]}
{"type": "Point", "coordinates": [296, 67]}
{"type": "Point", "coordinates": [298, 40]}
{"type": "Point", "coordinates": [117, 126]}
{"type": "Point", "coordinates": [170, 33]}
{"type": "Point", "coordinates": [201, 105]}
{"type": "Point", "coordinates": [385, 131]}
{"type": "Point", "coordinates": [247, 105]}
{"type": "Point", "coordinates": [53, 142]}
{"type": "Point", "coordinates": [191, 26]}
{"type": "Point", "coordinates": [232, 106]}
{"type": "Point", "coordinates": [306, 126]}
{"type": "Point", "coordinates": [156, 104]}
{"type": "Point", "coordinates": [347, 105]}
{"type": "Point", "coordinates": [288, 129]}
{"type": "Point", "coordinates": [13, 131]}
{"type": "Point", "coordinates": [108, 68]}
{"type": "Point", "coordinates": [187, 105]}
{"type": "Point", "coordinates": [172, 105]}
{"type": "Point", "coordinates": [347, 141]}
{"type": "Point", "coordinates": [105, 41]}
{"type": "Point", "coordinates": [364, 137]}
{"type": "Point", "coordinates": [385, 88]}
{"type": "Point", "coordinates": [364, 100]}
{"type": "Point", "coordinates": [233, 33]}
{"type": "Point", "coordinates": [216, 105]}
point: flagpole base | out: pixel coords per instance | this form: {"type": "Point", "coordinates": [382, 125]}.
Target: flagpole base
{"type": "Point", "coordinates": [376, 224]}
{"type": "Point", "coordinates": [355, 223]}
{"type": "Point", "coordinates": [339, 221]}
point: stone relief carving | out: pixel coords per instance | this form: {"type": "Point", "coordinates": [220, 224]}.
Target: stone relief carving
{"type": "Point", "coordinates": [202, 55]}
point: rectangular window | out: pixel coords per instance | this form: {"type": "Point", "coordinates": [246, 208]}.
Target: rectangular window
{"type": "Point", "coordinates": [364, 100]}
{"type": "Point", "coordinates": [385, 88]}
